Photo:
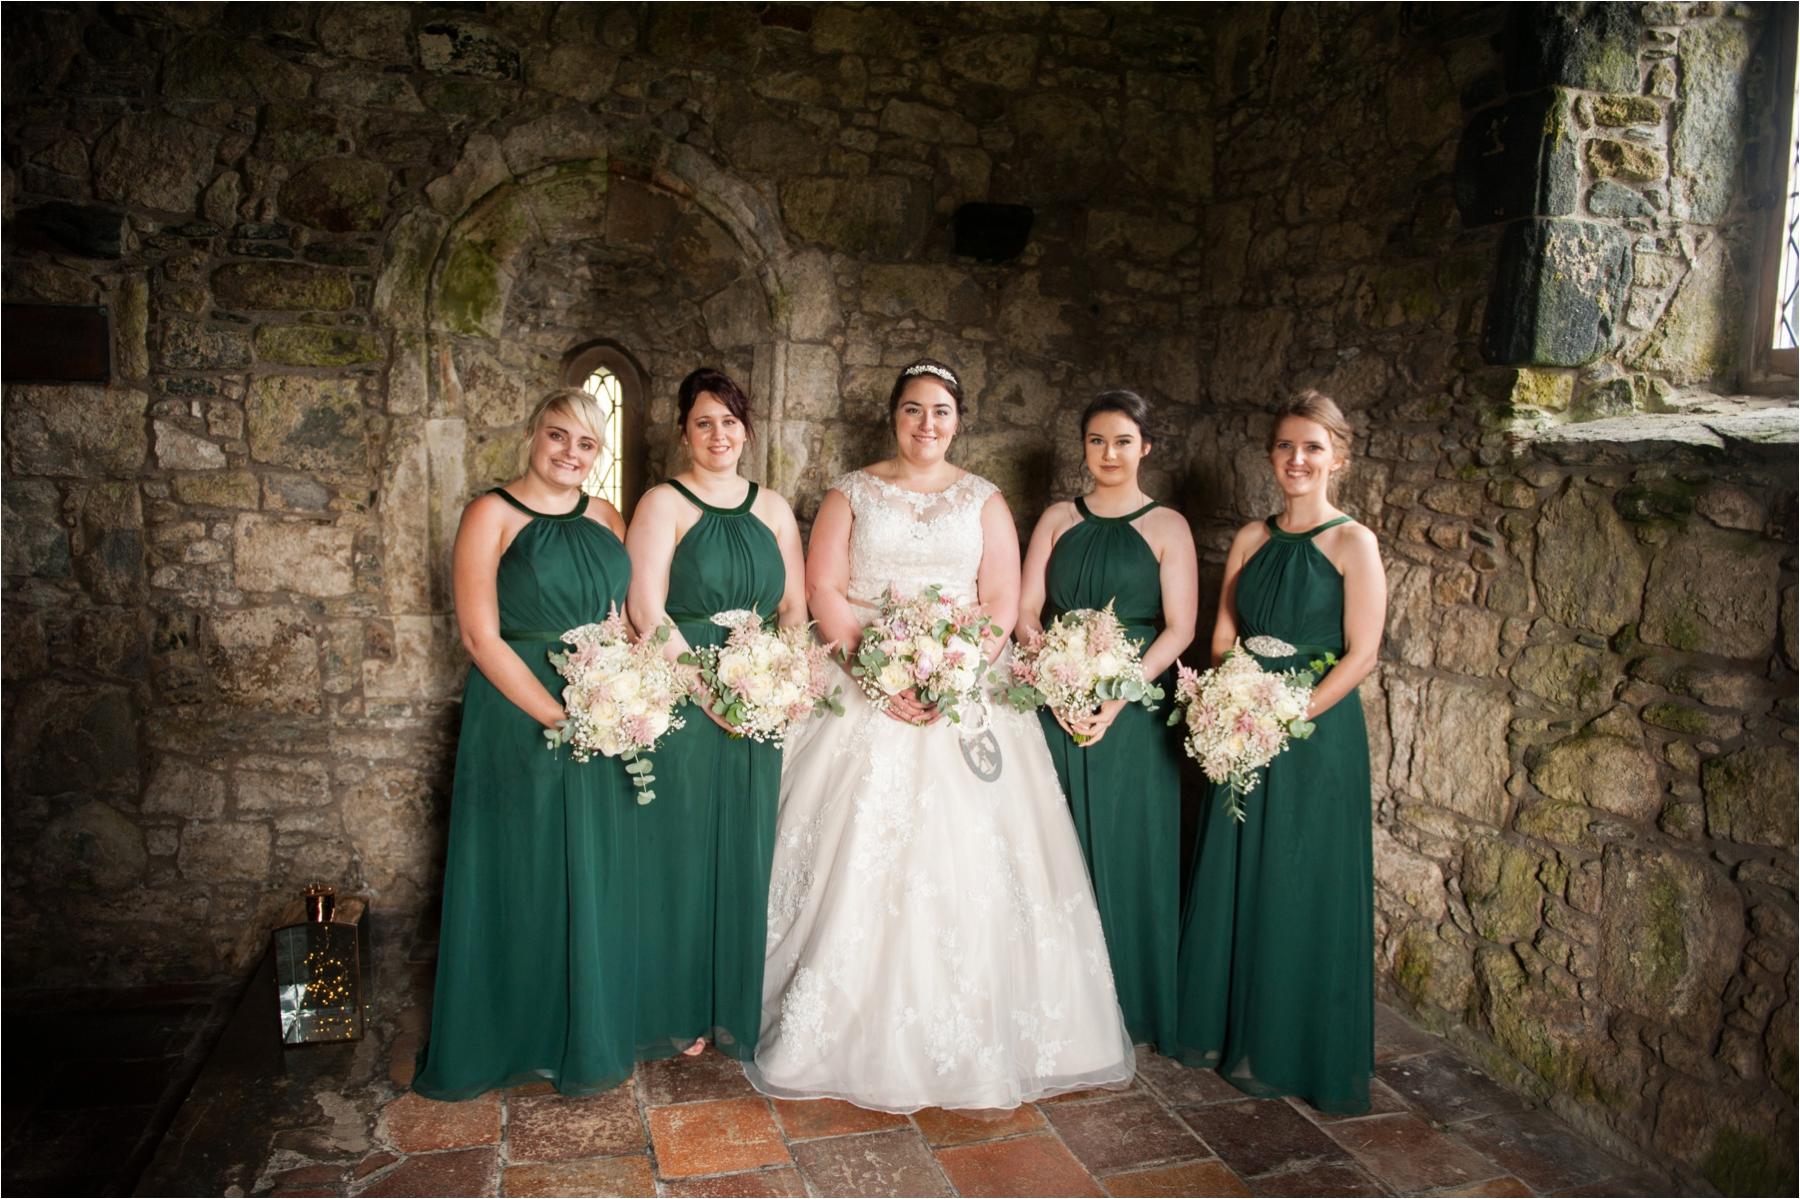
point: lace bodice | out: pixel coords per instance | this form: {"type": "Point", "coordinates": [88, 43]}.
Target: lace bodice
{"type": "Point", "coordinates": [909, 540]}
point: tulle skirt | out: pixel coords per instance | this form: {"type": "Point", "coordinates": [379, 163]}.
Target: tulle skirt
{"type": "Point", "coordinates": [933, 937]}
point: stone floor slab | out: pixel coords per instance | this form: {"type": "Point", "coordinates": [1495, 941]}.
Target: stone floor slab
{"type": "Point", "coordinates": [1632, 1185]}
{"type": "Point", "coordinates": [1086, 1094]}
{"type": "Point", "coordinates": [1319, 1179]}
{"type": "Point", "coordinates": [458, 1172]}
{"type": "Point", "coordinates": [1447, 1089]}
{"type": "Point", "coordinates": [1209, 1177]}
{"type": "Point", "coordinates": [896, 1162]}
{"type": "Point", "coordinates": [1119, 1134]}
{"type": "Point", "coordinates": [1540, 1150]}
{"type": "Point", "coordinates": [1181, 1085]}
{"type": "Point", "coordinates": [756, 1184]}
{"type": "Point", "coordinates": [628, 1174]}
{"type": "Point", "coordinates": [717, 1137]}
{"type": "Point", "coordinates": [416, 1124]}
{"type": "Point", "coordinates": [1382, 1102]}
{"type": "Point", "coordinates": [554, 1128]}
{"type": "Point", "coordinates": [1396, 1038]}
{"type": "Point", "coordinates": [1028, 1165]}
{"type": "Point", "coordinates": [1255, 1136]}
{"type": "Point", "coordinates": [964, 1126]}
{"type": "Point", "coordinates": [805, 1119]}
{"type": "Point", "coordinates": [1407, 1154]}
{"type": "Point", "coordinates": [1507, 1185]}
{"type": "Point", "coordinates": [683, 1079]}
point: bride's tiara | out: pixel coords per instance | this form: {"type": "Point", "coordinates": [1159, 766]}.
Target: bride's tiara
{"type": "Point", "coordinates": [926, 368]}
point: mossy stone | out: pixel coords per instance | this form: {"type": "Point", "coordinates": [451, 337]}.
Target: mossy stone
{"type": "Point", "coordinates": [1745, 1163]}
{"type": "Point", "coordinates": [1499, 881]}
{"type": "Point", "coordinates": [316, 345]}
{"type": "Point", "coordinates": [281, 286]}
{"type": "Point", "coordinates": [307, 423]}
{"type": "Point", "coordinates": [1750, 796]}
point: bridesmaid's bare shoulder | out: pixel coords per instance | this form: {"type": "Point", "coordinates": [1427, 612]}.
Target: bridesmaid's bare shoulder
{"type": "Point", "coordinates": [1250, 537]}
{"type": "Point", "coordinates": [602, 512]}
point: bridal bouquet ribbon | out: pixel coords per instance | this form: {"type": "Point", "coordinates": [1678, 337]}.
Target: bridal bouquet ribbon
{"type": "Point", "coordinates": [764, 682]}
{"type": "Point", "coordinates": [1081, 661]}
{"type": "Point", "coordinates": [1240, 716]}
{"type": "Point", "coordinates": [621, 697]}
{"type": "Point", "coordinates": [932, 646]}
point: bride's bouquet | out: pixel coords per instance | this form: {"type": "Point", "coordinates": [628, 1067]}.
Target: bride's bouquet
{"type": "Point", "coordinates": [929, 644]}
{"type": "Point", "coordinates": [1240, 716]}
{"type": "Point", "coordinates": [621, 697]}
{"type": "Point", "coordinates": [1081, 661]}
{"type": "Point", "coordinates": [764, 682]}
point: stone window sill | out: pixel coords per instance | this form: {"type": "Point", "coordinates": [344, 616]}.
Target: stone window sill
{"type": "Point", "coordinates": [1700, 424]}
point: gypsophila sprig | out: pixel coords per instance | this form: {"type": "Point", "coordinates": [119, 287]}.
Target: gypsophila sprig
{"type": "Point", "coordinates": [929, 644]}
{"type": "Point", "coordinates": [1240, 716]}
{"type": "Point", "coordinates": [621, 697]}
{"type": "Point", "coordinates": [1081, 661]}
{"type": "Point", "coordinates": [764, 682]}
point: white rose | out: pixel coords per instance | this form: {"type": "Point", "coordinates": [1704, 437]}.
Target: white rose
{"type": "Point", "coordinates": [1108, 666]}
{"type": "Point", "coordinates": [894, 678]}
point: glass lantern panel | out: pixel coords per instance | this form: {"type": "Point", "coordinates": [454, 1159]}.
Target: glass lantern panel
{"type": "Point", "coordinates": [318, 982]}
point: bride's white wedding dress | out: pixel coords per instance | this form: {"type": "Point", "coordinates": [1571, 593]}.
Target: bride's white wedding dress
{"type": "Point", "coordinates": [933, 938]}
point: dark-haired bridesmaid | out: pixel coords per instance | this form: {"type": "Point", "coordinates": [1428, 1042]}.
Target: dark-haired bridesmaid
{"type": "Point", "coordinates": [1117, 545]}
{"type": "Point", "coordinates": [1276, 973]}
{"type": "Point", "coordinates": [706, 542]}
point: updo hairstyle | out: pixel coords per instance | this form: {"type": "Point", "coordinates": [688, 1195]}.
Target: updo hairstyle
{"type": "Point", "coordinates": [926, 368]}
{"type": "Point", "coordinates": [1129, 404]}
{"type": "Point", "coordinates": [1322, 410]}
{"type": "Point", "coordinates": [723, 388]}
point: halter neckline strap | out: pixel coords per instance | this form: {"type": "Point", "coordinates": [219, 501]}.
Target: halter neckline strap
{"type": "Point", "coordinates": [1088, 514]}
{"type": "Point", "coordinates": [742, 506]}
{"type": "Point", "coordinates": [579, 508]}
{"type": "Point", "coordinates": [1275, 529]}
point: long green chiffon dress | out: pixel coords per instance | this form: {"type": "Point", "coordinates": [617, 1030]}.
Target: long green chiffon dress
{"type": "Point", "coordinates": [536, 974]}
{"type": "Point", "coordinates": [1125, 793]}
{"type": "Point", "coordinates": [706, 842]}
{"type": "Point", "coordinates": [1276, 968]}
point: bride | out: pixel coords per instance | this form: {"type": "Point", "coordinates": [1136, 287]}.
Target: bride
{"type": "Point", "coordinates": [933, 938]}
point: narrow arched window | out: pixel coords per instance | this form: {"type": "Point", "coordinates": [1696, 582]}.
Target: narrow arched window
{"type": "Point", "coordinates": [606, 372]}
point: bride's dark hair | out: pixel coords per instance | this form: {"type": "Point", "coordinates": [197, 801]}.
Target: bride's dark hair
{"type": "Point", "coordinates": [926, 368]}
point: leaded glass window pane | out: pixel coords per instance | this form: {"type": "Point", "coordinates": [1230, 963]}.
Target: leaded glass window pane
{"type": "Point", "coordinates": [1787, 315]}
{"type": "Point", "coordinates": [606, 480]}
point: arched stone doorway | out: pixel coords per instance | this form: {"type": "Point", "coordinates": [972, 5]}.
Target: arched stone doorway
{"type": "Point", "coordinates": [543, 238]}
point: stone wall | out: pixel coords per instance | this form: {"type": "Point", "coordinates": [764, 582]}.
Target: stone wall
{"type": "Point", "coordinates": [343, 248]}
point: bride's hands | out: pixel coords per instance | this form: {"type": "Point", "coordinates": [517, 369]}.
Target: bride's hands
{"type": "Point", "coordinates": [906, 708]}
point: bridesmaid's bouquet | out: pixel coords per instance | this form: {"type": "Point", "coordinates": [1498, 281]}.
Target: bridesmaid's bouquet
{"type": "Point", "coordinates": [929, 644]}
{"type": "Point", "coordinates": [1240, 716]}
{"type": "Point", "coordinates": [621, 697]}
{"type": "Point", "coordinates": [764, 682]}
{"type": "Point", "coordinates": [1081, 661]}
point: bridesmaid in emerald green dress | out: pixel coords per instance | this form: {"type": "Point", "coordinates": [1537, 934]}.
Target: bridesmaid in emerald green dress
{"type": "Point", "coordinates": [536, 973]}
{"type": "Point", "coordinates": [1122, 779]}
{"type": "Point", "coordinates": [706, 542]}
{"type": "Point", "coordinates": [1276, 969]}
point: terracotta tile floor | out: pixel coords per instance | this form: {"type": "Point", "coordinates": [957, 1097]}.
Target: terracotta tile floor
{"type": "Point", "coordinates": [695, 1127]}
{"type": "Point", "coordinates": [342, 1123]}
